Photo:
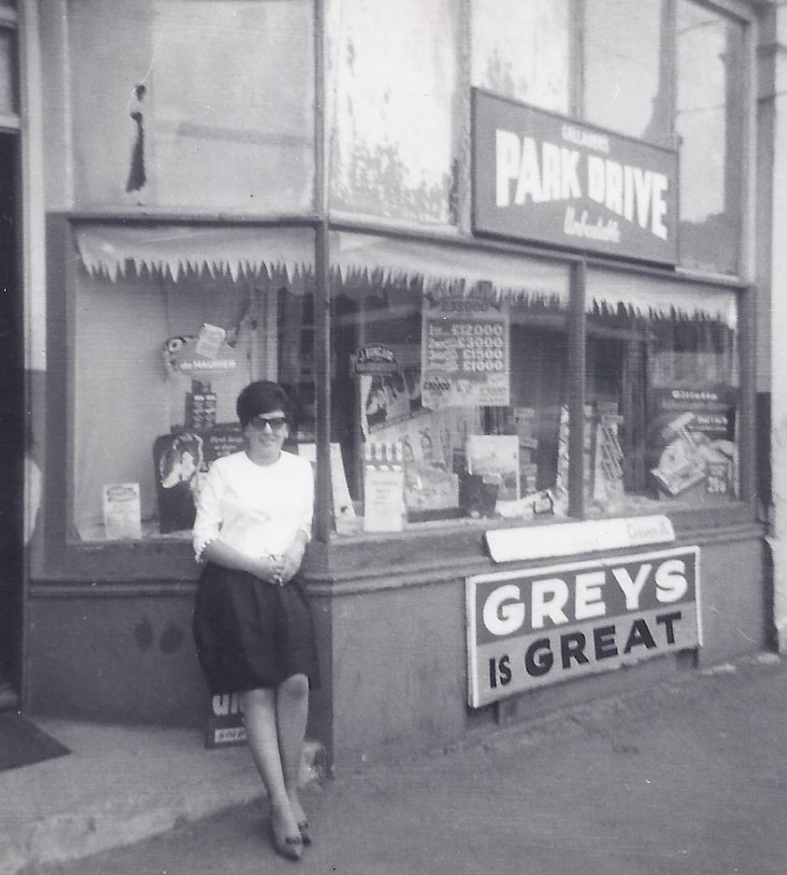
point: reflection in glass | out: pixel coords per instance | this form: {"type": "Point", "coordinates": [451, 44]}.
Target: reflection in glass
{"type": "Point", "coordinates": [710, 126]}
{"type": "Point", "coordinates": [626, 82]}
{"type": "Point", "coordinates": [521, 49]}
{"type": "Point", "coordinates": [197, 105]}
{"type": "Point", "coordinates": [394, 130]}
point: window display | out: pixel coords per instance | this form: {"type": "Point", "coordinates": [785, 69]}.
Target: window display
{"type": "Point", "coordinates": [170, 322]}
{"type": "Point", "coordinates": [450, 378]}
{"type": "Point", "coordinates": [451, 372]}
{"type": "Point", "coordinates": [662, 391]}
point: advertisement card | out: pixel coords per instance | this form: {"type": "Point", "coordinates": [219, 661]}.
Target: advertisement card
{"type": "Point", "coordinates": [384, 508]}
{"type": "Point", "coordinates": [465, 351]}
{"type": "Point", "coordinates": [122, 511]}
{"type": "Point", "coordinates": [691, 442]}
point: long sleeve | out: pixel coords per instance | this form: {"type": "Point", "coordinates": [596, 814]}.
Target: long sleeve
{"type": "Point", "coordinates": [207, 524]}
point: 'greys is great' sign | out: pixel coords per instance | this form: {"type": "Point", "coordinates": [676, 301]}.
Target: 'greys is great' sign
{"type": "Point", "coordinates": [546, 178]}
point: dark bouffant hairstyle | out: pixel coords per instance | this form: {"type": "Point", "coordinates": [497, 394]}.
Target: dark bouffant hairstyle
{"type": "Point", "coordinates": [263, 396]}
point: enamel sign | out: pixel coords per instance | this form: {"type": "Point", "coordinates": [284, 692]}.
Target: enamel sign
{"type": "Point", "coordinates": [532, 628]}
{"type": "Point", "coordinates": [546, 178]}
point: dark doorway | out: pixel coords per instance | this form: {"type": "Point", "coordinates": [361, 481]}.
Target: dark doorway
{"type": "Point", "coordinates": [12, 427]}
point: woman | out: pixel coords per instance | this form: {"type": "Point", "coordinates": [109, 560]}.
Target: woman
{"type": "Point", "coordinates": [252, 624]}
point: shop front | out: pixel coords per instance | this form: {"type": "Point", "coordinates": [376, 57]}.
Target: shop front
{"type": "Point", "coordinates": [512, 300]}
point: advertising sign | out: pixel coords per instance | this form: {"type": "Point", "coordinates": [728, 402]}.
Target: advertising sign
{"type": "Point", "coordinates": [547, 178]}
{"type": "Point", "coordinates": [465, 352]}
{"type": "Point", "coordinates": [122, 514]}
{"type": "Point", "coordinates": [692, 451]}
{"type": "Point", "coordinates": [532, 628]}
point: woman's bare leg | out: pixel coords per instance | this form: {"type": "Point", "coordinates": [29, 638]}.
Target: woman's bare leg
{"type": "Point", "coordinates": [259, 710]}
{"type": "Point", "coordinates": [292, 711]}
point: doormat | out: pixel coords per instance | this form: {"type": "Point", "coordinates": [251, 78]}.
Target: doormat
{"type": "Point", "coordinates": [23, 744]}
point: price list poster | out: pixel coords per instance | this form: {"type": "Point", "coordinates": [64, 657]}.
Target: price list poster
{"type": "Point", "coordinates": [465, 352]}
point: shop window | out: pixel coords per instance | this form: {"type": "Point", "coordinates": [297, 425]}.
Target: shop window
{"type": "Point", "coordinates": [450, 377]}
{"type": "Point", "coordinates": [169, 323]}
{"type": "Point", "coordinates": [662, 413]}
{"type": "Point", "coordinates": [194, 105]}
{"type": "Point", "coordinates": [522, 49]}
{"type": "Point", "coordinates": [710, 123]}
{"type": "Point", "coordinates": [626, 80]}
{"type": "Point", "coordinates": [395, 131]}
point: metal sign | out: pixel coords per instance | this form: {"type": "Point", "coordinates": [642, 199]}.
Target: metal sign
{"type": "Point", "coordinates": [547, 178]}
{"type": "Point", "coordinates": [532, 628]}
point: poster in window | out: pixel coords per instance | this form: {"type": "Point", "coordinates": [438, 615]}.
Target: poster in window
{"type": "Point", "coordinates": [465, 351]}
{"type": "Point", "coordinates": [691, 443]}
{"type": "Point", "coordinates": [389, 387]}
{"type": "Point", "coordinates": [178, 459]}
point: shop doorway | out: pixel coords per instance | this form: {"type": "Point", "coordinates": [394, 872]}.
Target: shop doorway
{"type": "Point", "coordinates": [12, 429]}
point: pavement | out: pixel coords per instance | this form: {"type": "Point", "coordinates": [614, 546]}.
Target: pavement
{"type": "Point", "coordinates": [687, 776]}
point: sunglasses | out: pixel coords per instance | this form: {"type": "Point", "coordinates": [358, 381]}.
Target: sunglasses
{"type": "Point", "coordinates": [276, 423]}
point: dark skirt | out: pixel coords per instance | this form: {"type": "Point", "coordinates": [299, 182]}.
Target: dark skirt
{"type": "Point", "coordinates": [250, 633]}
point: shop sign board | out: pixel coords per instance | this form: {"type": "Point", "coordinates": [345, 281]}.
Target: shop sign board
{"type": "Point", "coordinates": [550, 179]}
{"type": "Point", "coordinates": [536, 627]}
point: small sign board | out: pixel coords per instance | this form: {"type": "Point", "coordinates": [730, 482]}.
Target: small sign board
{"type": "Point", "coordinates": [122, 511]}
{"type": "Point", "coordinates": [586, 536]}
{"type": "Point", "coordinates": [225, 725]}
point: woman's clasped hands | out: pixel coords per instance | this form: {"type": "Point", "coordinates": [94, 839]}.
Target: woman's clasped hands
{"type": "Point", "coordinates": [280, 569]}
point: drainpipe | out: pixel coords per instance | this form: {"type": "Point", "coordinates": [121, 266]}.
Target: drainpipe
{"type": "Point", "coordinates": [772, 304]}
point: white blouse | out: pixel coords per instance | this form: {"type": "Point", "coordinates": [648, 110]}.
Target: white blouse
{"type": "Point", "coordinates": [257, 509]}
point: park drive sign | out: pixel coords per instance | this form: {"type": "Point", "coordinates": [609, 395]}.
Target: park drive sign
{"type": "Point", "coordinates": [545, 178]}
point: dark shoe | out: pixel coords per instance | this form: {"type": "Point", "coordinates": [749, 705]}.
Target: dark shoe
{"type": "Point", "coordinates": [306, 832]}
{"type": "Point", "coordinates": [289, 847]}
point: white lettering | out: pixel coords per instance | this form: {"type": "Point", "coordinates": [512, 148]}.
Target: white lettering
{"type": "Point", "coordinates": [550, 596]}
{"type": "Point", "coordinates": [569, 165]}
{"type": "Point", "coordinates": [507, 160]}
{"type": "Point", "coordinates": [503, 612]}
{"type": "Point", "coordinates": [596, 178]}
{"type": "Point", "coordinates": [529, 175]}
{"type": "Point", "coordinates": [659, 211]}
{"type": "Point", "coordinates": [671, 583]}
{"type": "Point", "coordinates": [643, 185]}
{"type": "Point", "coordinates": [550, 175]}
{"type": "Point", "coordinates": [588, 601]}
{"type": "Point", "coordinates": [614, 187]}
{"type": "Point", "coordinates": [632, 588]}
{"type": "Point", "coordinates": [582, 227]}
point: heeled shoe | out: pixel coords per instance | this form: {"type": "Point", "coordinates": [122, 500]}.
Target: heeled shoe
{"type": "Point", "coordinates": [290, 847]}
{"type": "Point", "coordinates": [306, 832]}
